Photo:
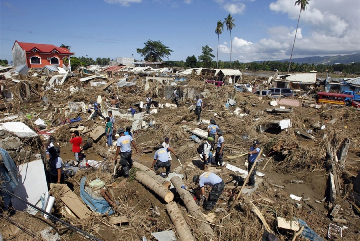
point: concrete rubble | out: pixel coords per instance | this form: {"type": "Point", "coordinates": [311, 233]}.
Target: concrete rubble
{"type": "Point", "coordinates": [307, 177]}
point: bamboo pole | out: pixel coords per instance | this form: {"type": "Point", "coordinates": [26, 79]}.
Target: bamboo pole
{"type": "Point", "coordinates": [246, 180]}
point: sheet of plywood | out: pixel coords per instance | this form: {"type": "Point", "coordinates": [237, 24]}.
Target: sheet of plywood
{"type": "Point", "coordinates": [74, 203]}
{"type": "Point", "coordinates": [290, 225]}
{"type": "Point", "coordinates": [32, 185]}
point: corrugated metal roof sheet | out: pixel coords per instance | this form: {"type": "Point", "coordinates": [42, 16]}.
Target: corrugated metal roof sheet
{"type": "Point", "coordinates": [354, 81]}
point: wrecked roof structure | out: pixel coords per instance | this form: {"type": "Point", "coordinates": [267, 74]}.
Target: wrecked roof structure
{"type": "Point", "coordinates": [306, 183]}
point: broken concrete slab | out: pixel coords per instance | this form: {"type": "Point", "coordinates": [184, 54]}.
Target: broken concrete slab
{"type": "Point", "coordinates": [97, 133]}
{"type": "Point", "coordinates": [19, 129]}
{"type": "Point", "coordinates": [10, 143]}
{"type": "Point", "coordinates": [290, 102]}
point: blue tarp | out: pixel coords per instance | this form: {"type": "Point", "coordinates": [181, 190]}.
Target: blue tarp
{"type": "Point", "coordinates": [97, 205]}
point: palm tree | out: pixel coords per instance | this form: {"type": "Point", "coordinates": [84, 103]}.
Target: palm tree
{"type": "Point", "coordinates": [65, 46]}
{"type": "Point", "coordinates": [229, 21]}
{"type": "Point", "coordinates": [218, 31]}
{"type": "Point", "coordinates": [302, 4]}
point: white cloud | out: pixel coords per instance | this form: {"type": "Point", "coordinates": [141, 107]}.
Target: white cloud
{"type": "Point", "coordinates": [323, 30]}
{"type": "Point", "coordinates": [234, 8]}
{"type": "Point", "coordinates": [125, 3]}
{"type": "Point", "coordinates": [188, 1]}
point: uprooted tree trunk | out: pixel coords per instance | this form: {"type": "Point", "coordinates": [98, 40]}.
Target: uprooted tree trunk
{"type": "Point", "coordinates": [343, 152]}
{"type": "Point", "coordinates": [191, 205]}
{"type": "Point", "coordinates": [152, 174]}
{"type": "Point", "coordinates": [178, 220]}
{"type": "Point", "coordinates": [155, 186]}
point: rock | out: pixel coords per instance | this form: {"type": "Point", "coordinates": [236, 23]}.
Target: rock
{"type": "Point", "coordinates": [10, 143]}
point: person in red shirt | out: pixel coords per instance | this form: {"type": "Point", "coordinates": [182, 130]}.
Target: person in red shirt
{"type": "Point", "coordinates": [76, 141]}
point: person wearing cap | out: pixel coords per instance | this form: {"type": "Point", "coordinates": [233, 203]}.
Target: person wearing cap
{"type": "Point", "coordinates": [252, 155]}
{"type": "Point", "coordinates": [212, 128]}
{"type": "Point", "coordinates": [76, 141]}
{"type": "Point", "coordinates": [211, 179]}
{"type": "Point", "coordinates": [166, 144]}
{"type": "Point", "coordinates": [219, 148]}
{"type": "Point", "coordinates": [206, 154]}
{"type": "Point", "coordinates": [161, 159]}
{"type": "Point", "coordinates": [123, 144]}
{"type": "Point", "coordinates": [199, 106]}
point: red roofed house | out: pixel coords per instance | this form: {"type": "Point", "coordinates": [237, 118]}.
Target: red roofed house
{"type": "Point", "coordinates": [38, 55]}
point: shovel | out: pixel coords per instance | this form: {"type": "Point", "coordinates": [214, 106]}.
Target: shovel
{"type": "Point", "coordinates": [182, 167]}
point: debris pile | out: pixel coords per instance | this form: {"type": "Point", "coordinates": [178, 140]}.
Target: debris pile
{"type": "Point", "coordinates": [306, 186]}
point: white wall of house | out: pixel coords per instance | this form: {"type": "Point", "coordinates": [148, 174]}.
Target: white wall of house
{"type": "Point", "coordinates": [19, 55]}
{"type": "Point", "coordinates": [303, 78]}
{"type": "Point", "coordinates": [125, 61]}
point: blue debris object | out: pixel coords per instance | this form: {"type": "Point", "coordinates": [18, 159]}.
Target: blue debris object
{"type": "Point", "coordinates": [96, 204]}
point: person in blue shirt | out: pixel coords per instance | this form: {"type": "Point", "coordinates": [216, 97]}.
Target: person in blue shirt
{"type": "Point", "coordinates": [198, 108]}
{"type": "Point", "coordinates": [123, 144]}
{"type": "Point", "coordinates": [128, 131]}
{"type": "Point", "coordinates": [212, 128]}
{"type": "Point", "coordinates": [211, 179]}
{"type": "Point", "coordinates": [252, 155]}
{"type": "Point", "coordinates": [161, 159]}
{"type": "Point", "coordinates": [97, 111]}
{"type": "Point", "coordinates": [133, 111]}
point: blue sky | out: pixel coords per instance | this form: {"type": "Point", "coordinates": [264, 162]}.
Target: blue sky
{"type": "Point", "coordinates": [116, 28]}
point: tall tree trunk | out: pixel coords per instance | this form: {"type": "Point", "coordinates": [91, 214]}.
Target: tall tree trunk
{"type": "Point", "coordinates": [217, 54]}
{"type": "Point", "coordinates": [230, 48]}
{"type": "Point", "coordinates": [297, 26]}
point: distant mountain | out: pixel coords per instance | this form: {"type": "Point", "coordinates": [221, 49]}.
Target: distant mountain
{"type": "Point", "coordinates": [341, 59]}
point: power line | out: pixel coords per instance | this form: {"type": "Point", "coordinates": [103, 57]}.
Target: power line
{"type": "Point", "coordinates": [52, 216]}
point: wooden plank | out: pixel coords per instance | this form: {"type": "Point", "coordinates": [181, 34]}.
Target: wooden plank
{"type": "Point", "coordinates": [72, 201]}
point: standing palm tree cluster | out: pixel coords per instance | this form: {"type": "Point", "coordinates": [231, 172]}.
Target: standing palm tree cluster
{"type": "Point", "coordinates": [302, 4]}
{"type": "Point", "coordinates": [229, 22]}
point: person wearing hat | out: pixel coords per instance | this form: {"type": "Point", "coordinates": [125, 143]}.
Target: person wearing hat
{"type": "Point", "coordinates": [166, 144]}
{"type": "Point", "coordinates": [252, 155]}
{"type": "Point", "coordinates": [199, 106]}
{"type": "Point", "coordinates": [212, 128]}
{"type": "Point", "coordinates": [161, 159]}
{"type": "Point", "coordinates": [219, 148]}
{"type": "Point", "coordinates": [211, 179]}
{"type": "Point", "coordinates": [123, 144]}
{"type": "Point", "coordinates": [206, 154]}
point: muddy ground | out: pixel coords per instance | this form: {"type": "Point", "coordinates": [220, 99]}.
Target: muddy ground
{"type": "Point", "coordinates": [292, 163]}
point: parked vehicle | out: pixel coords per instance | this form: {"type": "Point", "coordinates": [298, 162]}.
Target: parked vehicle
{"type": "Point", "coordinates": [216, 82]}
{"type": "Point", "coordinates": [332, 98]}
{"type": "Point", "coordinates": [281, 92]}
{"type": "Point", "coordinates": [348, 100]}
{"type": "Point", "coordinates": [243, 87]}
{"type": "Point", "coordinates": [263, 92]}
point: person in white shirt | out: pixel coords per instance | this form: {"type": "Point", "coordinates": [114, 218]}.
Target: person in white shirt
{"type": "Point", "coordinates": [206, 155]}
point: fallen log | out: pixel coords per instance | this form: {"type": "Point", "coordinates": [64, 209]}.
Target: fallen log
{"type": "Point", "coordinates": [181, 226]}
{"type": "Point", "coordinates": [191, 205]}
{"type": "Point", "coordinates": [155, 186]}
{"type": "Point", "coordinates": [343, 151]}
{"type": "Point", "coordinates": [152, 174]}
